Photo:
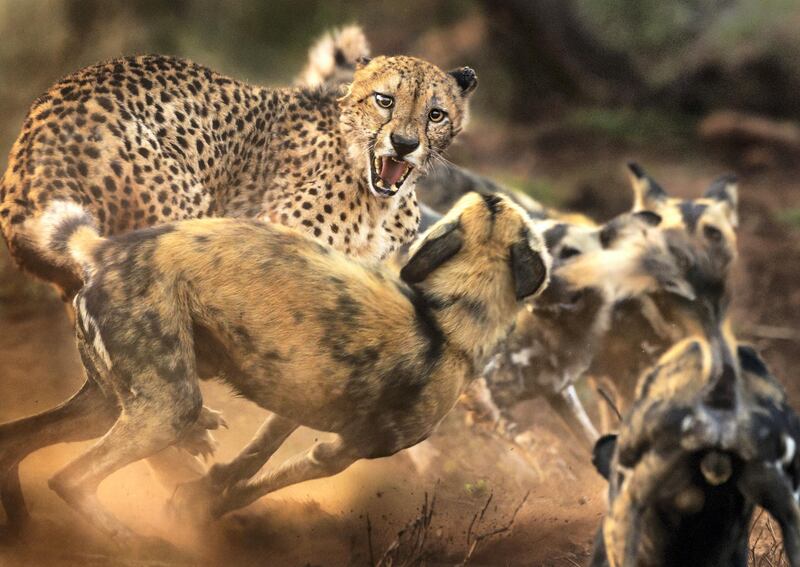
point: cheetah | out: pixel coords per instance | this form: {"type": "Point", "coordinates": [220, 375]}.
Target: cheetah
{"type": "Point", "coordinates": [141, 141]}
{"type": "Point", "coordinates": [145, 140]}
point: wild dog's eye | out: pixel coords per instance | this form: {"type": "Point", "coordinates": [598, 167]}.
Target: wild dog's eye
{"type": "Point", "coordinates": [568, 252]}
{"type": "Point", "coordinates": [384, 101]}
{"type": "Point", "coordinates": [436, 115]}
{"type": "Point", "coordinates": [712, 233]}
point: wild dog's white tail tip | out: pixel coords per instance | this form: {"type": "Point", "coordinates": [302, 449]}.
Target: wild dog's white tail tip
{"type": "Point", "coordinates": [67, 230]}
{"type": "Point", "coordinates": [333, 58]}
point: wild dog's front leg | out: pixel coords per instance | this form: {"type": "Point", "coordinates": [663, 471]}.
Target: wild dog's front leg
{"type": "Point", "coordinates": [268, 439]}
{"type": "Point", "coordinates": [196, 498]}
{"type": "Point", "coordinates": [569, 407]}
{"type": "Point", "coordinates": [322, 460]}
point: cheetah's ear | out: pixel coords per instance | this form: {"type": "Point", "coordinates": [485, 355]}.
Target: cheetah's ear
{"type": "Point", "coordinates": [466, 79]}
{"type": "Point", "coordinates": [439, 245]}
{"type": "Point", "coordinates": [602, 454]}
{"type": "Point", "coordinates": [363, 61]}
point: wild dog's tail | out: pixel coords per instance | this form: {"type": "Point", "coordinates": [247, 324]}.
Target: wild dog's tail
{"type": "Point", "coordinates": [68, 233]}
{"type": "Point", "coordinates": [332, 59]}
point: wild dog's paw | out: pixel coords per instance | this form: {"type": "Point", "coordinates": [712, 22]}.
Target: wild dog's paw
{"type": "Point", "coordinates": [211, 419]}
{"type": "Point", "coordinates": [199, 442]}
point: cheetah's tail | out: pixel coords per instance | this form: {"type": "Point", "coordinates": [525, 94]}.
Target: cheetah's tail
{"type": "Point", "coordinates": [67, 231]}
{"type": "Point", "coordinates": [332, 59]}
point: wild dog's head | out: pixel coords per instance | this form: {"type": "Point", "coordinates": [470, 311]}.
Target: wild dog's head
{"type": "Point", "coordinates": [700, 241]}
{"type": "Point", "coordinates": [714, 215]}
{"type": "Point", "coordinates": [484, 255]}
{"type": "Point", "coordinates": [399, 114]}
{"type": "Point", "coordinates": [566, 241]}
{"type": "Point", "coordinates": [702, 445]}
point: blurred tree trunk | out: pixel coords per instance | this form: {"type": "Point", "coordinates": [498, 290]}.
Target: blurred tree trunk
{"type": "Point", "coordinates": [554, 59]}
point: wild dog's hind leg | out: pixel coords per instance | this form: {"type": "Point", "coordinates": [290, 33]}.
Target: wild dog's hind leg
{"type": "Point", "coordinates": [86, 415]}
{"type": "Point", "coordinates": [322, 460]}
{"type": "Point", "coordinates": [152, 419]}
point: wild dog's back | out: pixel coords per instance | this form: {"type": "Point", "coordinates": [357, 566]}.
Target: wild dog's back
{"type": "Point", "coordinates": [295, 309]}
{"type": "Point", "coordinates": [307, 332]}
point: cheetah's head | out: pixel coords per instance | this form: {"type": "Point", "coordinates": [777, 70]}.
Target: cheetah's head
{"type": "Point", "coordinates": [399, 114]}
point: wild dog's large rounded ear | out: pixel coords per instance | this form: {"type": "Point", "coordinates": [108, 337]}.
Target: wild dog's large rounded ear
{"type": "Point", "coordinates": [602, 454]}
{"type": "Point", "coordinates": [439, 246]}
{"type": "Point", "coordinates": [529, 269]}
{"type": "Point", "coordinates": [648, 217]}
{"type": "Point", "coordinates": [751, 361]}
{"type": "Point", "coordinates": [725, 189]}
{"type": "Point", "coordinates": [646, 192]}
{"type": "Point", "coordinates": [466, 79]}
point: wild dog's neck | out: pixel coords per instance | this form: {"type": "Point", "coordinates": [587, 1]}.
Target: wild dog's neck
{"type": "Point", "coordinates": [472, 323]}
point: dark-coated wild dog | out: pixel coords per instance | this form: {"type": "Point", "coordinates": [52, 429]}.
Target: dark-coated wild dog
{"type": "Point", "coordinates": [709, 437]}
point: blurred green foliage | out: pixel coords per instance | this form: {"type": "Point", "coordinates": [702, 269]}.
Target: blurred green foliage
{"type": "Point", "coordinates": [791, 217]}
{"type": "Point", "coordinates": [646, 127]}
{"type": "Point", "coordinates": [668, 37]}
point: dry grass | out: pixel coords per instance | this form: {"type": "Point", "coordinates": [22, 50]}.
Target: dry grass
{"type": "Point", "coordinates": [766, 545]}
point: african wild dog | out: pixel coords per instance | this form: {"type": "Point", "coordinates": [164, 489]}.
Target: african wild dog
{"type": "Point", "coordinates": [317, 338]}
{"type": "Point", "coordinates": [555, 339]}
{"type": "Point", "coordinates": [709, 437]}
{"type": "Point", "coordinates": [590, 336]}
{"type": "Point", "coordinates": [709, 224]}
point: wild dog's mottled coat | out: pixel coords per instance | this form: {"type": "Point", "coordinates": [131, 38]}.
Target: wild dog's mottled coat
{"type": "Point", "coordinates": [554, 341]}
{"type": "Point", "coordinates": [705, 228]}
{"type": "Point", "coordinates": [295, 326]}
{"type": "Point", "coordinates": [704, 444]}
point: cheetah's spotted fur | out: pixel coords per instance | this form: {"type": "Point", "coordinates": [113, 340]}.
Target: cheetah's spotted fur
{"type": "Point", "coordinates": [145, 140]}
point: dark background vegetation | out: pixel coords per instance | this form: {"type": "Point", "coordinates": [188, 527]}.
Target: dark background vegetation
{"type": "Point", "coordinates": [569, 91]}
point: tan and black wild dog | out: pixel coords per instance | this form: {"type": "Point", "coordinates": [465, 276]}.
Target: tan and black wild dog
{"type": "Point", "coordinates": [315, 337]}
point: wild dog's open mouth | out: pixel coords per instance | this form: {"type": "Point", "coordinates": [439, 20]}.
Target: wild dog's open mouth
{"type": "Point", "coordinates": [388, 174]}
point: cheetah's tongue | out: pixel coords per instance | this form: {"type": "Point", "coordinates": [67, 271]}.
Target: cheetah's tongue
{"type": "Point", "coordinates": [392, 171]}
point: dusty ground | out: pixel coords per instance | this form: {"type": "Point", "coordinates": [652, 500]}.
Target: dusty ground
{"type": "Point", "coordinates": [325, 522]}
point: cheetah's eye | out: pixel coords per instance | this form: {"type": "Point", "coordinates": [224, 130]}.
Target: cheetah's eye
{"type": "Point", "coordinates": [436, 115]}
{"type": "Point", "coordinates": [384, 101]}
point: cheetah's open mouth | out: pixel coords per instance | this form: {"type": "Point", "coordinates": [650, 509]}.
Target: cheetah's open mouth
{"type": "Point", "coordinates": [387, 174]}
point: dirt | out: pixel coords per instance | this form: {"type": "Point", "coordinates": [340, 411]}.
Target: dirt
{"type": "Point", "coordinates": [326, 522]}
